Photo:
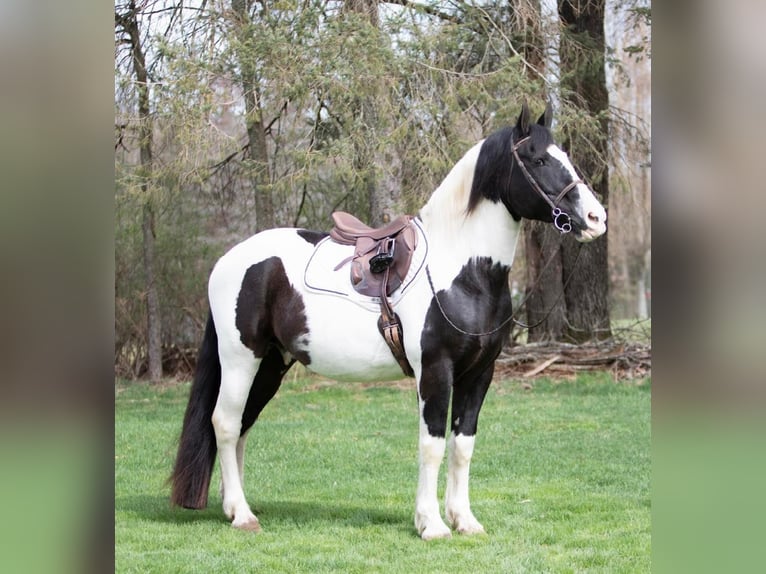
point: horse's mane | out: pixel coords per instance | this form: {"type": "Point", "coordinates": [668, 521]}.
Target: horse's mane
{"type": "Point", "coordinates": [445, 209]}
{"type": "Point", "coordinates": [484, 172]}
{"type": "Point", "coordinates": [492, 174]}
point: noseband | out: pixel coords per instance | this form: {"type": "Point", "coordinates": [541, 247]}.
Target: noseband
{"type": "Point", "coordinates": [561, 219]}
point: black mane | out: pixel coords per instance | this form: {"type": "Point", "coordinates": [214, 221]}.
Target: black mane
{"type": "Point", "coordinates": [492, 175]}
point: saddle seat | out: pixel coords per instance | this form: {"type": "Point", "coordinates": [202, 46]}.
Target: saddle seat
{"type": "Point", "coordinates": [348, 226]}
{"type": "Point", "coordinates": [376, 250]}
{"type": "Point", "coordinates": [379, 265]}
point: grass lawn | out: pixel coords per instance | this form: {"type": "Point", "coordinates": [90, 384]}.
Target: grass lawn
{"type": "Point", "coordinates": [560, 480]}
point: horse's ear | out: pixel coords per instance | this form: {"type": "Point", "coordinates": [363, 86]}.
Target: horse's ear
{"type": "Point", "coordinates": [522, 124]}
{"type": "Point", "coordinates": [547, 118]}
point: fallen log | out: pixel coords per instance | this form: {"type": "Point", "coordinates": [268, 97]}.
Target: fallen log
{"type": "Point", "coordinates": [623, 359]}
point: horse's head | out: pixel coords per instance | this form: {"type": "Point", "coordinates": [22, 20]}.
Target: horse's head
{"type": "Point", "coordinates": [554, 192]}
{"type": "Point", "coordinates": [525, 169]}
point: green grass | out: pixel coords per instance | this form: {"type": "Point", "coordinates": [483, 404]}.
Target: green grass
{"type": "Point", "coordinates": [560, 480]}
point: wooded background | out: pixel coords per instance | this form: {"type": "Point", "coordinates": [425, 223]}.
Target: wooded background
{"type": "Point", "coordinates": [233, 116]}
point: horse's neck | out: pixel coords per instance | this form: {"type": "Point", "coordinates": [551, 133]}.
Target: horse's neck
{"type": "Point", "coordinates": [455, 237]}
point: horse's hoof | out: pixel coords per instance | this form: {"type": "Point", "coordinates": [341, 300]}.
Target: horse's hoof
{"type": "Point", "coordinates": [250, 524]}
{"type": "Point", "coordinates": [470, 529]}
{"type": "Point", "coordinates": [465, 523]}
{"type": "Point", "coordinates": [433, 532]}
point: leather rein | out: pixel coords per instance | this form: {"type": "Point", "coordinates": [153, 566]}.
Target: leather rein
{"type": "Point", "coordinates": [512, 316]}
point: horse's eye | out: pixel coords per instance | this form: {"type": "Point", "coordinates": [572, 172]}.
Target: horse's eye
{"type": "Point", "coordinates": [539, 161]}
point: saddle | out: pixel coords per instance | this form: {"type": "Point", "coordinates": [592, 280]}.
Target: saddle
{"type": "Point", "coordinates": [379, 264]}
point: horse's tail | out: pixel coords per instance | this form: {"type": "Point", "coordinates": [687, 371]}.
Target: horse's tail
{"type": "Point", "coordinates": [197, 445]}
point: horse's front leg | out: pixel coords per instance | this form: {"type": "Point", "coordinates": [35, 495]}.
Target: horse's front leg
{"type": "Point", "coordinates": [433, 399]}
{"type": "Point", "coordinates": [467, 398]}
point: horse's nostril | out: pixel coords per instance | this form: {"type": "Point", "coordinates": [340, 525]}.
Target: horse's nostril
{"type": "Point", "coordinates": [593, 217]}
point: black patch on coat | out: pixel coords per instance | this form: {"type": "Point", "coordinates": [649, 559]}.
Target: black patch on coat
{"type": "Point", "coordinates": [270, 313]}
{"type": "Point", "coordinates": [492, 174]}
{"type": "Point", "coordinates": [477, 301]}
{"type": "Point", "coordinates": [312, 237]}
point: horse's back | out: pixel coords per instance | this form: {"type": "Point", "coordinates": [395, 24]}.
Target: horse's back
{"type": "Point", "coordinates": [285, 243]}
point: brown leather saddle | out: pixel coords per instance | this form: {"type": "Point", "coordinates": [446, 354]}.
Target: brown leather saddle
{"type": "Point", "coordinates": [379, 265]}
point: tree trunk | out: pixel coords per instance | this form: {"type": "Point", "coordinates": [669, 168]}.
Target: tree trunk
{"type": "Point", "coordinates": [257, 151]}
{"type": "Point", "coordinates": [153, 315]}
{"type": "Point", "coordinates": [588, 292]}
{"type": "Point", "coordinates": [586, 297]}
{"type": "Point", "coordinates": [365, 8]}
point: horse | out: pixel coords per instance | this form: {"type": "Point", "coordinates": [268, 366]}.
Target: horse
{"type": "Point", "coordinates": [454, 318]}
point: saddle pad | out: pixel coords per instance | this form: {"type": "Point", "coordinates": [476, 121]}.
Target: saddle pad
{"type": "Point", "coordinates": [321, 276]}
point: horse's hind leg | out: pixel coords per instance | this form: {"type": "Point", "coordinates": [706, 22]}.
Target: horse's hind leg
{"type": "Point", "coordinates": [240, 450]}
{"type": "Point", "coordinates": [240, 462]}
{"type": "Point", "coordinates": [467, 398]}
{"type": "Point", "coordinates": [267, 381]}
{"type": "Point", "coordinates": [237, 374]}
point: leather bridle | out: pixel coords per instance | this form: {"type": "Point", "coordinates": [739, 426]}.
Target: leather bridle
{"type": "Point", "coordinates": [561, 220]}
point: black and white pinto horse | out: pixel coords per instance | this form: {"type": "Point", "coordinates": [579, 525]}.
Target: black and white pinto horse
{"type": "Point", "coordinates": [264, 317]}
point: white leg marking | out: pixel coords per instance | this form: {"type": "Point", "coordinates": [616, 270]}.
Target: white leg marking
{"type": "Point", "coordinates": [458, 505]}
{"type": "Point", "coordinates": [428, 521]}
{"type": "Point", "coordinates": [240, 463]}
{"type": "Point", "coordinates": [227, 421]}
{"type": "Point", "coordinates": [241, 458]}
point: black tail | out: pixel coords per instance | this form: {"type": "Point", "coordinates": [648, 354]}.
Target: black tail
{"type": "Point", "coordinates": [197, 446]}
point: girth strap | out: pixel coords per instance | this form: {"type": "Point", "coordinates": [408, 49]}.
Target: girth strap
{"type": "Point", "coordinates": [390, 326]}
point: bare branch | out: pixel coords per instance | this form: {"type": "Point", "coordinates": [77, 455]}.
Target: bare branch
{"type": "Point", "coordinates": [213, 169]}
{"type": "Point", "coordinates": [283, 109]}
{"type": "Point", "coordinates": [430, 10]}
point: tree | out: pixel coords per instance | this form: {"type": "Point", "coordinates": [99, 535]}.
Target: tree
{"type": "Point", "coordinates": [581, 272]}
{"type": "Point", "coordinates": [257, 150]}
{"type": "Point", "coordinates": [383, 204]}
{"type": "Point", "coordinates": [127, 23]}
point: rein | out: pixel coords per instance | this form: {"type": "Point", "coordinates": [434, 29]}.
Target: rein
{"type": "Point", "coordinates": [558, 297]}
{"type": "Point", "coordinates": [512, 316]}
{"type": "Point", "coordinates": [556, 212]}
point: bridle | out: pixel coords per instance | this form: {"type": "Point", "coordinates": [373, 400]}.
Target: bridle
{"type": "Point", "coordinates": [565, 225]}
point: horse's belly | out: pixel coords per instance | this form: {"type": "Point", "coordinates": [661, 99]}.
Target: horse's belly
{"type": "Point", "coordinates": [344, 342]}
